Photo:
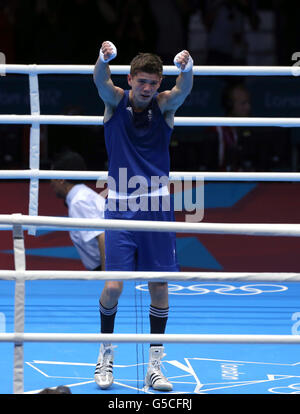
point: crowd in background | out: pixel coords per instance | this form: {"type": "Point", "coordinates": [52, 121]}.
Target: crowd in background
{"type": "Point", "coordinates": [71, 32]}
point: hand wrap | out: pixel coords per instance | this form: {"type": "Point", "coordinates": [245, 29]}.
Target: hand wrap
{"type": "Point", "coordinates": [188, 66]}
{"type": "Point", "coordinates": [113, 55]}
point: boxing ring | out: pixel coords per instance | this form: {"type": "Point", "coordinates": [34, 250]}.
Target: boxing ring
{"type": "Point", "coordinates": [18, 223]}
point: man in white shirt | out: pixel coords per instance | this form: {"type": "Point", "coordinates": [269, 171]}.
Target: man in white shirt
{"type": "Point", "coordinates": [82, 202]}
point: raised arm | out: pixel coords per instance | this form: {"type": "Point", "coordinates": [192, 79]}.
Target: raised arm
{"type": "Point", "coordinates": [170, 101]}
{"type": "Point", "coordinates": [109, 93]}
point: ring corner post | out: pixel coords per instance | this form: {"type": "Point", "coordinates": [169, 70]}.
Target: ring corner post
{"type": "Point", "coordinates": [34, 156]}
{"type": "Point", "coordinates": [2, 64]}
{"type": "Point", "coordinates": [20, 265]}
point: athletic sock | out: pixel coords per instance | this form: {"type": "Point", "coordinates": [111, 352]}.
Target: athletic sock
{"type": "Point", "coordinates": [107, 317]}
{"type": "Point", "coordinates": [158, 321]}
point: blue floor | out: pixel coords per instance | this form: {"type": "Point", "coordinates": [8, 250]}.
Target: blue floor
{"type": "Point", "coordinates": [221, 308]}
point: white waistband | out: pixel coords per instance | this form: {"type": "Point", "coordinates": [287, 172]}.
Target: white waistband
{"type": "Point", "coordinates": [162, 191]}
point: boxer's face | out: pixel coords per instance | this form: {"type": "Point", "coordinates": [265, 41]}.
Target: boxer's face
{"type": "Point", "coordinates": [143, 87]}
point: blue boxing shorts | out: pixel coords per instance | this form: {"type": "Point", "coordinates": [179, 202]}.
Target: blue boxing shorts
{"type": "Point", "coordinates": [140, 250]}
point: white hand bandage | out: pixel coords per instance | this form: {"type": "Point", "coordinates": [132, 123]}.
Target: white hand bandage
{"type": "Point", "coordinates": [112, 56]}
{"type": "Point", "coordinates": [188, 66]}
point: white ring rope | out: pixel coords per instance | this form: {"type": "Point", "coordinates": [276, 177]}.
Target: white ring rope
{"type": "Point", "coordinates": [174, 176]}
{"type": "Point", "coordinates": [18, 222]}
{"type": "Point", "coordinates": [152, 276]}
{"type": "Point", "coordinates": [178, 121]}
{"type": "Point", "coordinates": [167, 70]}
{"type": "Point", "coordinates": [67, 223]}
{"type": "Point", "coordinates": [144, 338]}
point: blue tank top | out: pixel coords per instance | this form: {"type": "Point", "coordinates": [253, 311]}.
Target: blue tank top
{"type": "Point", "coordinates": [137, 143]}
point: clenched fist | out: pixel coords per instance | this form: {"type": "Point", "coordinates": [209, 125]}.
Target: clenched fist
{"type": "Point", "coordinates": [183, 60]}
{"type": "Point", "coordinates": [108, 51]}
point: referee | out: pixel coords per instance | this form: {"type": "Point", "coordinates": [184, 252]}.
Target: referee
{"type": "Point", "coordinates": [82, 202]}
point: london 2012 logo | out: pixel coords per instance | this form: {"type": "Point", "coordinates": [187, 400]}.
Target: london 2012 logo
{"type": "Point", "coordinates": [190, 373]}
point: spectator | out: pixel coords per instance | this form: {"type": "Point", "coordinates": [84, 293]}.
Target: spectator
{"type": "Point", "coordinates": [244, 148]}
{"type": "Point", "coordinates": [7, 33]}
{"type": "Point", "coordinates": [235, 149]}
{"type": "Point", "coordinates": [81, 30]}
{"type": "Point", "coordinates": [169, 25]}
{"type": "Point", "coordinates": [10, 150]}
{"type": "Point", "coordinates": [135, 22]}
{"type": "Point", "coordinates": [225, 21]}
